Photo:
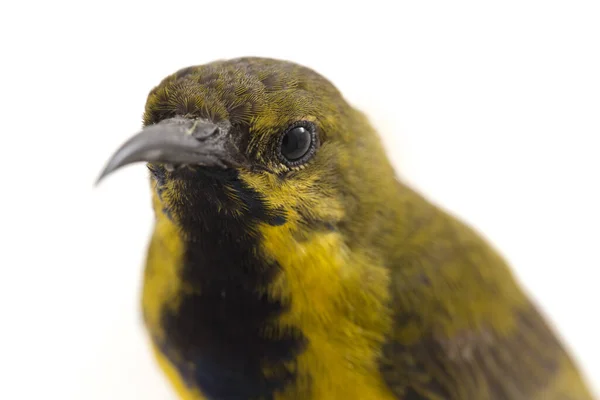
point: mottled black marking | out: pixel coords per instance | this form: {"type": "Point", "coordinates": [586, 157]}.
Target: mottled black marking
{"type": "Point", "coordinates": [167, 212]}
{"type": "Point", "coordinates": [215, 337]}
{"type": "Point", "coordinates": [159, 173]}
{"type": "Point", "coordinates": [307, 226]}
{"type": "Point", "coordinates": [256, 205]}
{"type": "Point", "coordinates": [319, 225]}
{"type": "Point", "coordinates": [277, 219]}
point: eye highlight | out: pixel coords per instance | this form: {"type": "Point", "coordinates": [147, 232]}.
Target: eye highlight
{"type": "Point", "coordinates": [298, 143]}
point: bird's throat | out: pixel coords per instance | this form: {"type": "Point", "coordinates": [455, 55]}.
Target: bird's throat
{"type": "Point", "coordinates": [206, 303]}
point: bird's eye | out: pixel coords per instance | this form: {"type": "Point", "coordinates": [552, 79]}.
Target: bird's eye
{"type": "Point", "coordinates": [298, 143]}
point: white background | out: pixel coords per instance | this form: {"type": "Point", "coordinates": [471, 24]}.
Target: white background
{"type": "Point", "coordinates": [491, 110]}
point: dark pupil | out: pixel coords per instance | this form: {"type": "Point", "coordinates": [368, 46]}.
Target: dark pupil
{"type": "Point", "coordinates": [295, 143]}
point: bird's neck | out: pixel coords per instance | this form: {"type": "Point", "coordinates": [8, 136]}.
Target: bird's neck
{"type": "Point", "coordinates": [206, 305]}
{"type": "Point", "coordinates": [225, 303]}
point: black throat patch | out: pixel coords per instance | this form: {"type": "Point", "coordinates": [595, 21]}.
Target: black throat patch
{"type": "Point", "coordinates": [221, 336]}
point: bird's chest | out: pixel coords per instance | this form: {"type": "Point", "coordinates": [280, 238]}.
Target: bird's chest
{"type": "Point", "coordinates": [211, 323]}
{"type": "Point", "coordinates": [220, 341]}
{"type": "Point", "coordinates": [232, 336]}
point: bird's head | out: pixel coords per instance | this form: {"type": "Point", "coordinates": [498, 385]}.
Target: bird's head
{"type": "Point", "coordinates": [261, 140]}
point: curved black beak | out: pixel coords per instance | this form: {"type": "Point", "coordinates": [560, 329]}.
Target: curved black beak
{"type": "Point", "coordinates": [177, 141]}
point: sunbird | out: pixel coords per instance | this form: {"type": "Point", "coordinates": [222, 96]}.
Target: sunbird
{"type": "Point", "coordinates": [289, 261]}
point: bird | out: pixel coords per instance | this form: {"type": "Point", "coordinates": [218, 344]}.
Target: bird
{"type": "Point", "coordinates": [289, 260]}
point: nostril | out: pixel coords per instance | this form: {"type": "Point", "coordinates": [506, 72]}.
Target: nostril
{"type": "Point", "coordinates": [203, 130]}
